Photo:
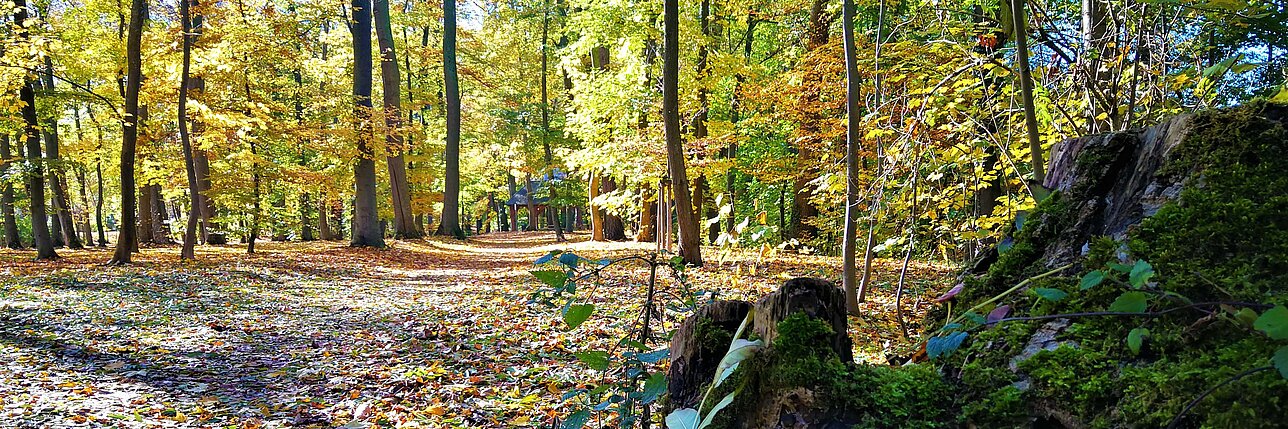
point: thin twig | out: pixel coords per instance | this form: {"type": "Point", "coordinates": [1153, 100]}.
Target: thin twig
{"type": "Point", "coordinates": [1177, 420]}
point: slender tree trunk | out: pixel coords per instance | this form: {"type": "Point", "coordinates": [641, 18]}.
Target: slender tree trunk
{"type": "Point", "coordinates": [648, 224]}
{"type": "Point", "coordinates": [366, 223]}
{"type": "Point", "coordinates": [690, 247]}
{"type": "Point", "coordinates": [596, 214]}
{"type": "Point", "coordinates": [1026, 91]}
{"type": "Point", "coordinates": [514, 212]}
{"type": "Point", "coordinates": [735, 112]}
{"type": "Point", "coordinates": [160, 217]}
{"type": "Point", "coordinates": [532, 203]}
{"type": "Point", "coordinates": [57, 174]}
{"type": "Point", "coordinates": [404, 220]}
{"type": "Point", "coordinates": [188, 250]}
{"type": "Point", "coordinates": [11, 238]}
{"type": "Point", "coordinates": [255, 198]}
{"type": "Point", "coordinates": [450, 224]}
{"type": "Point", "coordinates": [850, 242]}
{"type": "Point", "coordinates": [87, 233]}
{"type": "Point", "coordinates": [98, 204]}
{"type": "Point", "coordinates": [545, 122]}
{"type": "Point", "coordinates": [133, 58]}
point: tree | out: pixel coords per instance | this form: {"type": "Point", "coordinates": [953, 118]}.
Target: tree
{"type": "Point", "coordinates": [64, 225]}
{"type": "Point", "coordinates": [130, 132]}
{"type": "Point", "coordinates": [31, 131]}
{"type": "Point", "coordinates": [11, 239]}
{"type": "Point", "coordinates": [690, 238]}
{"type": "Point", "coordinates": [450, 223]}
{"type": "Point", "coordinates": [194, 195]}
{"type": "Point", "coordinates": [1026, 91]}
{"type": "Point", "coordinates": [850, 278]}
{"type": "Point", "coordinates": [404, 221]}
{"type": "Point", "coordinates": [366, 223]}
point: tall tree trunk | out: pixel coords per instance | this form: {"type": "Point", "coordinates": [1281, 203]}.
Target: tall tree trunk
{"type": "Point", "coordinates": [11, 238]}
{"type": "Point", "coordinates": [84, 218]}
{"type": "Point", "coordinates": [1094, 47]}
{"type": "Point", "coordinates": [804, 210]}
{"type": "Point", "coordinates": [1026, 91]}
{"type": "Point", "coordinates": [255, 198]}
{"type": "Point", "coordinates": [366, 223]}
{"type": "Point", "coordinates": [145, 214]}
{"type": "Point", "coordinates": [690, 247]}
{"type": "Point", "coordinates": [188, 23]}
{"type": "Point", "coordinates": [552, 209]}
{"type": "Point", "coordinates": [404, 220]}
{"type": "Point", "coordinates": [648, 224]}
{"type": "Point", "coordinates": [451, 224]}
{"type": "Point", "coordinates": [324, 225]}
{"type": "Point", "coordinates": [614, 228]}
{"type": "Point", "coordinates": [160, 217]}
{"type": "Point", "coordinates": [849, 251]}
{"type": "Point", "coordinates": [702, 189]}
{"type": "Point", "coordinates": [65, 229]}
{"type": "Point", "coordinates": [735, 113]}
{"type": "Point", "coordinates": [129, 134]}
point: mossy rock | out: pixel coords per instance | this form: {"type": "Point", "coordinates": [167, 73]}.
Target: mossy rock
{"type": "Point", "coordinates": [1203, 198]}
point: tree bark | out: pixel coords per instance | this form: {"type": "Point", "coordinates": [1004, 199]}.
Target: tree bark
{"type": "Point", "coordinates": [514, 212]}
{"type": "Point", "coordinates": [849, 251]}
{"type": "Point", "coordinates": [11, 238]}
{"type": "Point", "coordinates": [532, 203]}
{"type": "Point", "coordinates": [129, 134]}
{"type": "Point", "coordinates": [690, 247]}
{"type": "Point", "coordinates": [1026, 91]}
{"type": "Point", "coordinates": [324, 224]}
{"type": "Point", "coordinates": [366, 223]}
{"type": "Point", "coordinates": [188, 250]}
{"type": "Point", "coordinates": [596, 214]}
{"type": "Point", "coordinates": [404, 220]}
{"type": "Point", "coordinates": [450, 224]}
{"type": "Point", "coordinates": [614, 229]}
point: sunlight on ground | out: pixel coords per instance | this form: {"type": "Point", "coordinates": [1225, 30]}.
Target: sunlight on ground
{"type": "Point", "coordinates": [434, 333]}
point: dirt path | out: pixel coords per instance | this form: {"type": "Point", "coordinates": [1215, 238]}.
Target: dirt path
{"type": "Point", "coordinates": [428, 333]}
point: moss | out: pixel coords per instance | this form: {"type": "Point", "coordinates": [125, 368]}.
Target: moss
{"type": "Point", "coordinates": [1001, 408]}
{"type": "Point", "coordinates": [1078, 380]}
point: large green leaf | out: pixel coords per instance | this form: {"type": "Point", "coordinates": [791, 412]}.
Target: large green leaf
{"type": "Point", "coordinates": [576, 420]}
{"type": "Point", "coordinates": [1092, 279]}
{"type": "Point", "coordinates": [739, 351]}
{"type": "Point", "coordinates": [684, 418]}
{"type": "Point", "coordinates": [595, 359]}
{"type": "Point", "coordinates": [1131, 302]}
{"type": "Point", "coordinates": [711, 415]}
{"type": "Point", "coordinates": [1141, 272]}
{"type": "Point", "coordinates": [944, 345]}
{"type": "Point", "coordinates": [554, 279]}
{"type": "Point", "coordinates": [1274, 322]}
{"type": "Point", "coordinates": [577, 314]}
{"type": "Point", "coordinates": [654, 387]}
{"type": "Point", "coordinates": [1050, 294]}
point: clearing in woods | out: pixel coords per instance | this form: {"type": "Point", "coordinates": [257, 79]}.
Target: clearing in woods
{"type": "Point", "coordinates": [430, 333]}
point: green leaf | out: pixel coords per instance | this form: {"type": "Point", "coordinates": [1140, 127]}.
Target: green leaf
{"type": "Point", "coordinates": [577, 314]}
{"type": "Point", "coordinates": [945, 345]}
{"type": "Point", "coordinates": [1092, 279]}
{"type": "Point", "coordinates": [576, 420]}
{"type": "Point", "coordinates": [1136, 338]}
{"type": "Point", "coordinates": [1050, 294]}
{"type": "Point", "coordinates": [711, 415]}
{"type": "Point", "coordinates": [1123, 268]}
{"type": "Point", "coordinates": [654, 387]}
{"type": "Point", "coordinates": [570, 260]}
{"type": "Point", "coordinates": [554, 279]}
{"type": "Point", "coordinates": [684, 418]}
{"type": "Point", "coordinates": [1274, 322]}
{"type": "Point", "coordinates": [547, 257]}
{"type": "Point", "coordinates": [1141, 273]}
{"type": "Point", "coordinates": [739, 351]}
{"type": "Point", "coordinates": [1281, 361]}
{"type": "Point", "coordinates": [1246, 316]}
{"type": "Point", "coordinates": [1130, 302]}
{"type": "Point", "coordinates": [595, 359]}
{"type": "Point", "coordinates": [654, 356]}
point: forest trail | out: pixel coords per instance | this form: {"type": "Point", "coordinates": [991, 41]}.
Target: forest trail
{"type": "Point", "coordinates": [430, 333]}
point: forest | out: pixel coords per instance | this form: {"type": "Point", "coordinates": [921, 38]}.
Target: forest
{"type": "Point", "coordinates": [623, 213]}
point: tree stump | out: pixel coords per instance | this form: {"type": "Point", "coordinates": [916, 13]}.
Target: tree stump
{"type": "Point", "coordinates": [818, 299]}
{"type": "Point", "coordinates": [697, 347]}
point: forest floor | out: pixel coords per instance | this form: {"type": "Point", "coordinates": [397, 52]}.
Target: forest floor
{"type": "Point", "coordinates": [428, 333]}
